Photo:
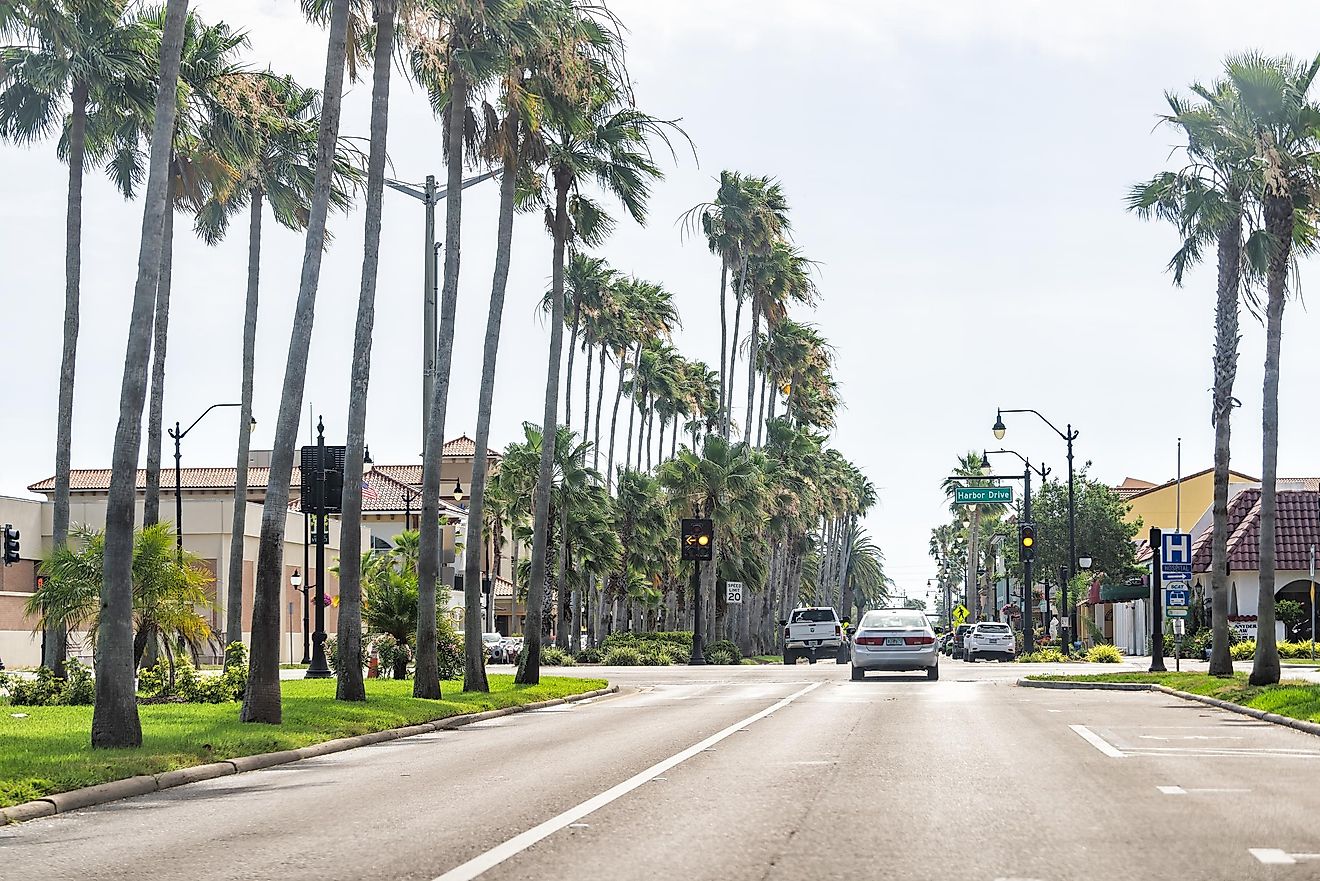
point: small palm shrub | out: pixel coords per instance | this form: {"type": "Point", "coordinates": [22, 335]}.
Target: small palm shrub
{"type": "Point", "coordinates": [655, 657]}
{"type": "Point", "coordinates": [554, 656]}
{"type": "Point", "coordinates": [1104, 654]}
{"type": "Point", "coordinates": [589, 656]}
{"type": "Point", "coordinates": [1042, 656]}
{"type": "Point", "coordinates": [723, 651]}
{"type": "Point", "coordinates": [1243, 651]}
{"type": "Point", "coordinates": [623, 656]}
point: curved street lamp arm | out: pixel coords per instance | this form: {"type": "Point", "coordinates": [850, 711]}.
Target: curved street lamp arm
{"type": "Point", "coordinates": [180, 435]}
{"type": "Point", "coordinates": [1070, 435]}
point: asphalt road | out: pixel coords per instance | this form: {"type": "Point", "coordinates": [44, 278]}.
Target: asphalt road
{"type": "Point", "coordinates": [746, 773]}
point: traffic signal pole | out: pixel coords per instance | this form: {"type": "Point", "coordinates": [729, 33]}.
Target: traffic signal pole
{"type": "Point", "coordinates": [1156, 604]}
{"type": "Point", "coordinates": [1028, 595]}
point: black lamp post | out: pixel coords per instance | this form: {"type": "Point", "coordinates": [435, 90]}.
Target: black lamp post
{"type": "Point", "coordinates": [297, 582]}
{"type": "Point", "coordinates": [318, 668]}
{"type": "Point", "coordinates": [1068, 436]}
{"type": "Point", "coordinates": [178, 456]}
{"type": "Point", "coordinates": [1028, 594]}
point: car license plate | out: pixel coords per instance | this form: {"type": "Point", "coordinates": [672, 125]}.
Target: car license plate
{"type": "Point", "coordinates": [813, 642]}
{"type": "Point", "coordinates": [894, 640]}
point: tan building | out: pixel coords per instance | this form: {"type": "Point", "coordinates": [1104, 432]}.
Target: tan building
{"type": "Point", "coordinates": [391, 504]}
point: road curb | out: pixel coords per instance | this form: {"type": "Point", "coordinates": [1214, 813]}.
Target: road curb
{"type": "Point", "coordinates": [1084, 686]}
{"type": "Point", "coordinates": [1301, 725]}
{"type": "Point", "coordinates": [114, 790]}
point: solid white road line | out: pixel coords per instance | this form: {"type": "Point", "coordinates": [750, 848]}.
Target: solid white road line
{"type": "Point", "coordinates": [1178, 790]}
{"type": "Point", "coordinates": [516, 845]}
{"type": "Point", "coordinates": [1272, 856]}
{"type": "Point", "coordinates": [1172, 790]}
{"type": "Point", "coordinates": [1098, 742]}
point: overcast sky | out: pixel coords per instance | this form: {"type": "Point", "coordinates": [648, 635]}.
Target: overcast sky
{"type": "Point", "coordinates": [956, 168]}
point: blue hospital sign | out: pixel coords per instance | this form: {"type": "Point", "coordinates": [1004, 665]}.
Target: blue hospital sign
{"type": "Point", "coordinates": [1177, 549]}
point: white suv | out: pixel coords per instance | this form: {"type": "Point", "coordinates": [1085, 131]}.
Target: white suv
{"type": "Point", "coordinates": [990, 639]}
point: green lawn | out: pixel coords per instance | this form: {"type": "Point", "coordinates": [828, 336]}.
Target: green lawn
{"type": "Point", "coordinates": [1292, 697]}
{"type": "Point", "coordinates": [49, 750]}
{"type": "Point", "coordinates": [764, 659]}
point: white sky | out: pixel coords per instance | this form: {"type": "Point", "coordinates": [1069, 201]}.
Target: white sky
{"type": "Point", "coordinates": [957, 168]}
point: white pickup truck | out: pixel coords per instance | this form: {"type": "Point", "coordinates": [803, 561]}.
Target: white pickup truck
{"type": "Point", "coordinates": [812, 633]}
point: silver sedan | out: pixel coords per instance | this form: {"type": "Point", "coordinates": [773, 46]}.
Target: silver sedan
{"type": "Point", "coordinates": [894, 639]}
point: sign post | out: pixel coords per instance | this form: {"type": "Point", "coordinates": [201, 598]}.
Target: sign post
{"type": "Point", "coordinates": [1312, 602]}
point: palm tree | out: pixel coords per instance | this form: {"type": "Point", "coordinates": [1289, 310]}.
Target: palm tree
{"type": "Point", "coordinates": [115, 720]}
{"type": "Point", "coordinates": [969, 469]}
{"type": "Point", "coordinates": [349, 685]}
{"type": "Point", "coordinates": [261, 701]}
{"type": "Point", "coordinates": [1205, 200]}
{"type": "Point", "coordinates": [202, 160]}
{"type": "Point", "coordinates": [83, 55]}
{"type": "Point", "coordinates": [1283, 125]}
{"type": "Point", "coordinates": [455, 52]}
{"type": "Point", "coordinates": [278, 169]}
{"type": "Point", "coordinates": [511, 141]}
{"type": "Point", "coordinates": [169, 591]}
{"type": "Point", "coordinates": [775, 278]}
{"type": "Point", "coordinates": [592, 135]}
{"type": "Point", "coordinates": [865, 570]}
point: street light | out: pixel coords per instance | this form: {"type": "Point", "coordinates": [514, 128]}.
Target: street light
{"type": "Point", "coordinates": [458, 491]}
{"type": "Point", "coordinates": [295, 580]}
{"type": "Point", "coordinates": [428, 195]}
{"type": "Point", "coordinates": [1068, 436]}
{"type": "Point", "coordinates": [178, 469]}
{"type": "Point", "coordinates": [1028, 582]}
{"type": "Point", "coordinates": [1085, 561]}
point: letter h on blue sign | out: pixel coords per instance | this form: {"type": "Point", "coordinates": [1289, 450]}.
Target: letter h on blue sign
{"type": "Point", "coordinates": [1177, 547]}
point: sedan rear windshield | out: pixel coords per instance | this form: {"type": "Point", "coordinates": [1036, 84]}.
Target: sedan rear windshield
{"type": "Point", "coordinates": [894, 620]}
{"type": "Point", "coordinates": [992, 628]}
{"type": "Point", "coordinates": [815, 616]}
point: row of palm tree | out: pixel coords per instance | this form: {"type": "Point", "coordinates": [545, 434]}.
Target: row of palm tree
{"type": "Point", "coordinates": [1249, 190]}
{"type": "Point", "coordinates": [539, 90]}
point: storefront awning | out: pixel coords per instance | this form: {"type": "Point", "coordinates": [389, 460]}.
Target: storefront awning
{"type": "Point", "coordinates": [1122, 593]}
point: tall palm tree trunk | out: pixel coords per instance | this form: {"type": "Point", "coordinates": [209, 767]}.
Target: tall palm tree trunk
{"type": "Point", "coordinates": [426, 672]}
{"type": "Point", "coordinates": [724, 332]}
{"type": "Point", "coordinates": [261, 701]}
{"type": "Point", "coordinates": [600, 399]}
{"type": "Point", "coordinates": [115, 721]}
{"type": "Point", "coordinates": [56, 641]}
{"type": "Point", "coordinates": [349, 685]}
{"type": "Point", "coordinates": [760, 413]}
{"type": "Point", "coordinates": [568, 369]}
{"type": "Point", "coordinates": [1225, 367]}
{"type": "Point", "coordinates": [586, 388]}
{"type": "Point", "coordinates": [160, 339]}
{"type": "Point", "coordinates": [1279, 222]}
{"type": "Point", "coordinates": [632, 407]}
{"type": "Point", "coordinates": [529, 670]}
{"type": "Point", "coordinates": [973, 582]}
{"type": "Point", "coordinates": [234, 596]}
{"type": "Point", "coordinates": [474, 672]}
{"type": "Point", "coordinates": [614, 430]}
{"type": "Point", "coordinates": [733, 358]}
{"type": "Point", "coordinates": [751, 371]}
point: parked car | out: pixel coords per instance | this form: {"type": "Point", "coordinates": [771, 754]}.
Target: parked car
{"type": "Point", "coordinates": [894, 639]}
{"type": "Point", "coordinates": [990, 639]}
{"type": "Point", "coordinates": [491, 642]}
{"type": "Point", "coordinates": [812, 633]}
{"type": "Point", "coordinates": [959, 636]}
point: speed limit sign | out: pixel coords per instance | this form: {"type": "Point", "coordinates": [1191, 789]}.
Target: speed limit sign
{"type": "Point", "coordinates": [733, 592]}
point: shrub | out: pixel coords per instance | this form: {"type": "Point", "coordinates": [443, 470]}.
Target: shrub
{"type": "Point", "coordinates": [724, 650]}
{"type": "Point", "coordinates": [623, 656]}
{"type": "Point", "coordinates": [449, 648]}
{"type": "Point", "coordinates": [721, 656]}
{"type": "Point", "coordinates": [554, 656]}
{"type": "Point", "coordinates": [589, 656]}
{"type": "Point", "coordinates": [1042, 656]}
{"type": "Point", "coordinates": [677, 654]}
{"type": "Point", "coordinates": [655, 657]}
{"type": "Point", "coordinates": [48, 690]}
{"type": "Point", "coordinates": [1243, 651]}
{"type": "Point", "coordinates": [1104, 654]}
{"type": "Point", "coordinates": [332, 653]}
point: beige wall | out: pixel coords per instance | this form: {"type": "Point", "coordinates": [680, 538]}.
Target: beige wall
{"type": "Point", "coordinates": [207, 522]}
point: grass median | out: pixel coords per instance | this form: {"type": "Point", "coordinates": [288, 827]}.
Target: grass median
{"type": "Point", "coordinates": [44, 750]}
{"type": "Point", "coordinates": [1294, 698]}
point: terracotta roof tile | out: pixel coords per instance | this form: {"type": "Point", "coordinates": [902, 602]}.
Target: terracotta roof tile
{"type": "Point", "coordinates": [1297, 529]}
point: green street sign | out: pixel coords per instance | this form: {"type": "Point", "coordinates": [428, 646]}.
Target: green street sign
{"type": "Point", "coordinates": [980, 495]}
